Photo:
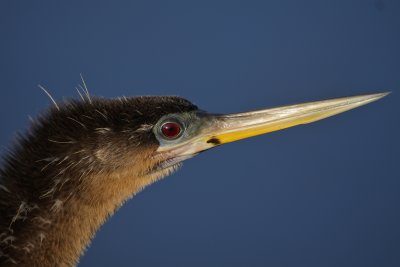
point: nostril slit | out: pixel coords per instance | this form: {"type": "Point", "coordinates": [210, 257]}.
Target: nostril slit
{"type": "Point", "coordinates": [214, 141]}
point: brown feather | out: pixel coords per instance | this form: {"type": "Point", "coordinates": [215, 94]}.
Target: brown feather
{"type": "Point", "coordinates": [71, 171]}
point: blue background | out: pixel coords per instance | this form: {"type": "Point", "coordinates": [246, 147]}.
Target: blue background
{"type": "Point", "coordinates": [325, 194]}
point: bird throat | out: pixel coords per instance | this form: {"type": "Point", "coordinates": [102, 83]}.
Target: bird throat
{"type": "Point", "coordinates": [55, 230]}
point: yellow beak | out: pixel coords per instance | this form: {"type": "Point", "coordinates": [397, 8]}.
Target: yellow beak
{"type": "Point", "coordinates": [229, 128]}
{"type": "Point", "coordinates": [221, 129]}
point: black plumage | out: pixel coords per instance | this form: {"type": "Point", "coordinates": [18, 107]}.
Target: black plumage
{"type": "Point", "coordinates": [62, 148]}
{"type": "Point", "coordinates": [81, 160]}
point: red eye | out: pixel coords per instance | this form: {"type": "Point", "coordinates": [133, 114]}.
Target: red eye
{"type": "Point", "coordinates": [171, 129]}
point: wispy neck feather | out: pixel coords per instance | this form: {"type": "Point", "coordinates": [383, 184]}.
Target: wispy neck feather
{"type": "Point", "coordinates": [55, 229]}
{"type": "Point", "coordinates": [65, 177]}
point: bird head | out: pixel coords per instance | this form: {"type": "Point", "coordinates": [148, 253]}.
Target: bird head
{"type": "Point", "coordinates": [81, 160]}
{"type": "Point", "coordinates": [149, 137]}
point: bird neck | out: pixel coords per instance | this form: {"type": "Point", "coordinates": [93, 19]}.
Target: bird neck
{"type": "Point", "coordinates": [76, 165]}
{"type": "Point", "coordinates": [55, 229]}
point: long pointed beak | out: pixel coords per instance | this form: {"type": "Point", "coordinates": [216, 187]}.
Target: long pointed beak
{"type": "Point", "coordinates": [220, 129]}
{"type": "Point", "coordinates": [229, 128]}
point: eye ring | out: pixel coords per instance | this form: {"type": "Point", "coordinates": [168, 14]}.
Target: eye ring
{"type": "Point", "coordinates": [171, 130]}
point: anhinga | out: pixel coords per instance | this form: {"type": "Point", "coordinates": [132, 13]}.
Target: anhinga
{"type": "Point", "coordinates": [81, 160]}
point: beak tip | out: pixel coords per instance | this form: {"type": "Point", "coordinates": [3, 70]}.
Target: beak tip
{"type": "Point", "coordinates": [380, 95]}
{"type": "Point", "coordinates": [365, 99]}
